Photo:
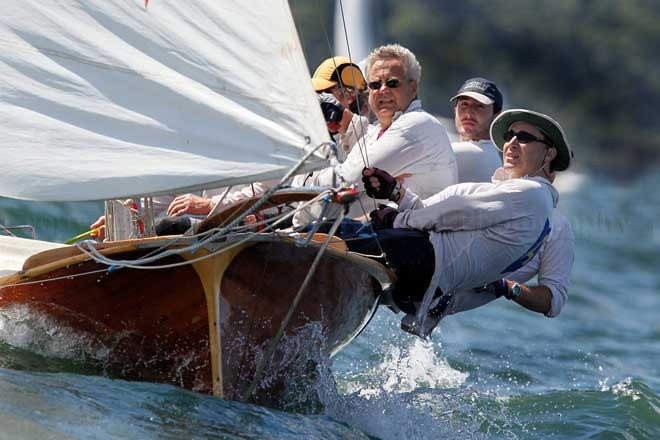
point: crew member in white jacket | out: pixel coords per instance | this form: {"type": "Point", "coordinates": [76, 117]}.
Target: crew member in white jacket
{"type": "Point", "coordinates": [478, 232]}
{"type": "Point", "coordinates": [406, 140]}
{"type": "Point", "coordinates": [476, 105]}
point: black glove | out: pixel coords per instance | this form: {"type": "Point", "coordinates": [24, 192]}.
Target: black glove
{"type": "Point", "coordinates": [388, 187]}
{"type": "Point", "coordinates": [383, 217]}
{"type": "Point", "coordinates": [331, 107]}
{"type": "Point", "coordinates": [497, 288]}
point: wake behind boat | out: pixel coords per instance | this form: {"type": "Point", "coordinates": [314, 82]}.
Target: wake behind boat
{"type": "Point", "coordinates": [107, 100]}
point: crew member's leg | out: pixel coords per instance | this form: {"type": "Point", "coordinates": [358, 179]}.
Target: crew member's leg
{"type": "Point", "coordinates": [409, 253]}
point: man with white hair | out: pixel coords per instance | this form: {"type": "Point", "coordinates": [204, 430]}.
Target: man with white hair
{"type": "Point", "coordinates": [405, 140]}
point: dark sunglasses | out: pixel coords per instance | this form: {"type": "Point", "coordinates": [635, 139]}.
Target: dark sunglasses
{"type": "Point", "coordinates": [391, 83]}
{"type": "Point", "coordinates": [524, 137]}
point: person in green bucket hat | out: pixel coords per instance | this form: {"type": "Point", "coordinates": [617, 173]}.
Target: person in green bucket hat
{"type": "Point", "coordinates": [481, 240]}
{"type": "Point", "coordinates": [545, 133]}
{"type": "Point", "coordinates": [534, 144]}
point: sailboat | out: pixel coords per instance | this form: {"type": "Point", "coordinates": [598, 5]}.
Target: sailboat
{"type": "Point", "coordinates": [114, 100]}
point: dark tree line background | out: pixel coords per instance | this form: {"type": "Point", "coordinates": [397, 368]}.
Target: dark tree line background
{"type": "Point", "coordinates": [591, 64]}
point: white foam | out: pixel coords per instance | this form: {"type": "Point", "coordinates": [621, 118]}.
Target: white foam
{"type": "Point", "coordinates": [406, 397]}
{"type": "Point", "coordinates": [624, 388]}
{"type": "Point", "coordinates": [418, 366]}
{"type": "Point", "coordinates": [24, 328]}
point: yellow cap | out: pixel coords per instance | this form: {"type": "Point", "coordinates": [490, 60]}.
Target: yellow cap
{"type": "Point", "coordinates": [336, 69]}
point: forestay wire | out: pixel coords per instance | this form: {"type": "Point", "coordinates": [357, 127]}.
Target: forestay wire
{"type": "Point", "coordinates": [361, 141]}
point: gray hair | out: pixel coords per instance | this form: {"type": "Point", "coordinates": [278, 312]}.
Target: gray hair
{"type": "Point", "coordinates": [397, 52]}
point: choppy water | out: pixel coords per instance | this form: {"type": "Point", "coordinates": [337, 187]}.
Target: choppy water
{"type": "Point", "coordinates": [499, 372]}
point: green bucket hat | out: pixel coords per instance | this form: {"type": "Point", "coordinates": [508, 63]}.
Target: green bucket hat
{"type": "Point", "coordinates": [545, 123]}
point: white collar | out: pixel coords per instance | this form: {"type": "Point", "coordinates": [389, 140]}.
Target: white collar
{"type": "Point", "coordinates": [415, 104]}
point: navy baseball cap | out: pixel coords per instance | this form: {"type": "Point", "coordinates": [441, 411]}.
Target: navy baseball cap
{"type": "Point", "coordinates": [483, 90]}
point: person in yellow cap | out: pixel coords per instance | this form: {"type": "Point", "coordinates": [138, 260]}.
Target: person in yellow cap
{"type": "Point", "coordinates": [340, 85]}
{"type": "Point", "coordinates": [342, 78]}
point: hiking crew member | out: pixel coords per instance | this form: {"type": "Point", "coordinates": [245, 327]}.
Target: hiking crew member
{"type": "Point", "coordinates": [476, 232]}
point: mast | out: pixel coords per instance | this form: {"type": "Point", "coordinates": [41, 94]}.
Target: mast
{"type": "Point", "coordinates": [358, 28]}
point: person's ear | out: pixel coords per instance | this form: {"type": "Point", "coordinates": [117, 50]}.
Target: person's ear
{"type": "Point", "coordinates": [550, 154]}
{"type": "Point", "coordinates": [413, 85]}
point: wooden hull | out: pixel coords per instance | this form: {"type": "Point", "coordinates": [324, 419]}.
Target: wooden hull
{"type": "Point", "coordinates": [205, 326]}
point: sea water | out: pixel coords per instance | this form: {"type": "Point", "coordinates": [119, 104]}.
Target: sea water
{"type": "Point", "coordinates": [499, 372]}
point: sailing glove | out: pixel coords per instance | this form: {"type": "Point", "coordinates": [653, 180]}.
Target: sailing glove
{"type": "Point", "coordinates": [385, 187]}
{"type": "Point", "coordinates": [383, 217]}
{"type": "Point", "coordinates": [331, 107]}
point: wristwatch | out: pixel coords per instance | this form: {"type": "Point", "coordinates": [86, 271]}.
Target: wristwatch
{"type": "Point", "coordinates": [514, 292]}
{"type": "Point", "coordinates": [396, 193]}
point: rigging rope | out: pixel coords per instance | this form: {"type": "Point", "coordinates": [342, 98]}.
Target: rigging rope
{"type": "Point", "coordinates": [140, 263]}
{"type": "Point", "coordinates": [88, 248]}
{"type": "Point", "coordinates": [363, 147]}
{"type": "Point", "coordinates": [361, 143]}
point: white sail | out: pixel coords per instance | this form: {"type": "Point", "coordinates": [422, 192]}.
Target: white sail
{"type": "Point", "coordinates": [103, 99]}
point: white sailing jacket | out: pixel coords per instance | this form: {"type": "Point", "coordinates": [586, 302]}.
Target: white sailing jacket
{"type": "Point", "coordinates": [481, 231]}
{"type": "Point", "coordinates": [553, 263]}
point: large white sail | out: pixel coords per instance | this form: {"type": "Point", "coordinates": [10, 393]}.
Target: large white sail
{"type": "Point", "coordinates": [102, 99]}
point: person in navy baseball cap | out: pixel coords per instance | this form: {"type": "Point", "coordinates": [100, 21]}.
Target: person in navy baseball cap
{"type": "Point", "coordinates": [483, 90]}
{"type": "Point", "coordinates": [476, 105]}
